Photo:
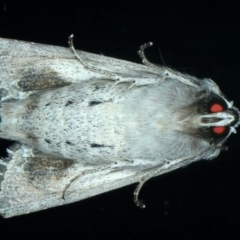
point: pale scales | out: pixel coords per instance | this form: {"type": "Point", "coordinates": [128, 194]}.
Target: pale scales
{"type": "Point", "coordinates": [145, 125]}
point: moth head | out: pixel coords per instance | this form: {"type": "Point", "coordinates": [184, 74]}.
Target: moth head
{"type": "Point", "coordinates": [217, 116]}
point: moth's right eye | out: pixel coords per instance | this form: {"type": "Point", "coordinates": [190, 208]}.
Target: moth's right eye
{"type": "Point", "coordinates": [216, 107]}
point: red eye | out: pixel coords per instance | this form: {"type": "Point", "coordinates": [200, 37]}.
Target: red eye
{"type": "Point", "coordinates": [219, 130]}
{"type": "Point", "coordinates": [216, 107]}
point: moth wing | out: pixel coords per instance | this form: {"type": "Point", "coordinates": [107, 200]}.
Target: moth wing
{"type": "Point", "coordinates": [33, 183]}
{"type": "Point", "coordinates": [29, 67]}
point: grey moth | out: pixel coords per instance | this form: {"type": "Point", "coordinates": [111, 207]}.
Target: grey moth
{"type": "Point", "coordinates": [86, 124]}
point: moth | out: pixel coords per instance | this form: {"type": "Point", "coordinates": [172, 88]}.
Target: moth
{"type": "Point", "coordinates": [86, 124]}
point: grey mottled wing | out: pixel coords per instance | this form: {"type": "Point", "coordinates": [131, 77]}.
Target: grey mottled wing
{"type": "Point", "coordinates": [44, 182]}
{"type": "Point", "coordinates": [28, 66]}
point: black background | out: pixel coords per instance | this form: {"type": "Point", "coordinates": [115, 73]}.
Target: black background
{"type": "Point", "coordinates": [201, 201]}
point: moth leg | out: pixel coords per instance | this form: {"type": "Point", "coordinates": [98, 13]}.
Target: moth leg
{"type": "Point", "coordinates": [118, 78]}
{"type": "Point", "coordinates": [156, 171]}
{"type": "Point", "coordinates": [164, 71]}
{"type": "Point", "coordinates": [80, 175]}
{"type": "Point", "coordinates": [143, 57]}
{"type": "Point", "coordinates": [90, 67]}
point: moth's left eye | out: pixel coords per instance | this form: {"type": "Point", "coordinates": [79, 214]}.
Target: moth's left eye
{"type": "Point", "coordinates": [220, 131]}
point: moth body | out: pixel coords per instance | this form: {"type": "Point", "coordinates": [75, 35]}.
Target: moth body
{"type": "Point", "coordinates": [98, 123]}
{"type": "Point", "coordinates": [115, 124]}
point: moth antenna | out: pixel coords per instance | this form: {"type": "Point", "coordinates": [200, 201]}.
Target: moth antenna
{"type": "Point", "coordinates": [182, 68]}
{"type": "Point", "coordinates": [162, 58]}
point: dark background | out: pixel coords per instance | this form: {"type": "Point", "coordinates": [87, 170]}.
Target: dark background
{"type": "Point", "coordinates": [201, 201]}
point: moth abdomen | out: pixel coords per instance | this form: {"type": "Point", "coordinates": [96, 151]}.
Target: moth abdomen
{"type": "Point", "coordinates": [63, 122]}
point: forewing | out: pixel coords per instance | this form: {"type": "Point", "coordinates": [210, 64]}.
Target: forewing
{"type": "Point", "coordinates": [33, 183]}
{"type": "Point", "coordinates": [29, 67]}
